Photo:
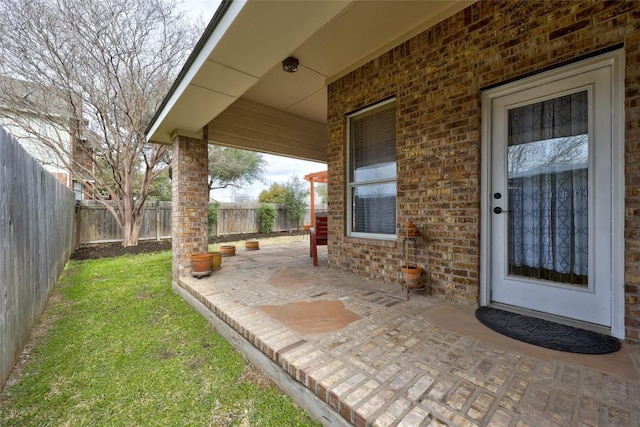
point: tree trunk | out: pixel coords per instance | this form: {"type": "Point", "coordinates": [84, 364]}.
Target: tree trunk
{"type": "Point", "coordinates": [130, 235]}
{"type": "Point", "coordinates": [131, 229]}
{"type": "Point", "coordinates": [131, 215]}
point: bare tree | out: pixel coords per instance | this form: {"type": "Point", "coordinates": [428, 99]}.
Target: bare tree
{"type": "Point", "coordinates": [97, 69]}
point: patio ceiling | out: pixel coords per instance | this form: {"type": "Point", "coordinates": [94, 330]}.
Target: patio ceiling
{"type": "Point", "coordinates": [234, 82]}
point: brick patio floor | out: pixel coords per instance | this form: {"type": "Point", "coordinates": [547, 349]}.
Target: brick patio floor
{"type": "Point", "coordinates": [377, 359]}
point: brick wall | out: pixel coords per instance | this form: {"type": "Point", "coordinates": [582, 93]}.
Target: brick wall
{"type": "Point", "coordinates": [632, 188]}
{"type": "Point", "coordinates": [436, 78]}
{"type": "Point", "coordinates": [189, 226]}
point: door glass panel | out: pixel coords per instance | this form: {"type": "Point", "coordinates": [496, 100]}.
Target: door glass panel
{"type": "Point", "coordinates": [548, 176]}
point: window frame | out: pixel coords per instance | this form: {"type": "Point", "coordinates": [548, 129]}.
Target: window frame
{"type": "Point", "coordinates": [351, 184]}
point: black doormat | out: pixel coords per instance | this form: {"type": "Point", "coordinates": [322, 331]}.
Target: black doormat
{"type": "Point", "coordinates": [546, 334]}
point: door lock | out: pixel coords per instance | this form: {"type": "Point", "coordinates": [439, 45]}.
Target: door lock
{"type": "Point", "coordinates": [499, 210]}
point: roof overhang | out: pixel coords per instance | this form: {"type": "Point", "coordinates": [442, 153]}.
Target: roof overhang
{"type": "Point", "coordinates": [234, 83]}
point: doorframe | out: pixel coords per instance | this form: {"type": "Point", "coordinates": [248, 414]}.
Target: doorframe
{"type": "Point", "coordinates": [614, 59]}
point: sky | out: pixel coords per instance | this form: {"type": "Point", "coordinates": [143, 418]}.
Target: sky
{"type": "Point", "coordinates": [278, 169]}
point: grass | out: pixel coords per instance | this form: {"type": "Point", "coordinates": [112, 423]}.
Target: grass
{"type": "Point", "coordinates": [119, 348]}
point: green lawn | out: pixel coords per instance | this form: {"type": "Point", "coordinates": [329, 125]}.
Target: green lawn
{"type": "Point", "coordinates": [122, 349]}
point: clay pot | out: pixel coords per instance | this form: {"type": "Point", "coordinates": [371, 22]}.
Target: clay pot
{"type": "Point", "coordinates": [252, 245]}
{"type": "Point", "coordinates": [216, 260]}
{"type": "Point", "coordinates": [411, 276]}
{"type": "Point", "coordinates": [227, 250]}
{"type": "Point", "coordinates": [201, 264]}
{"type": "Point", "coordinates": [412, 230]}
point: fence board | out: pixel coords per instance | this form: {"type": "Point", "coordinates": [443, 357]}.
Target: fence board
{"type": "Point", "coordinates": [36, 240]}
{"type": "Point", "coordinates": [236, 218]}
{"type": "Point", "coordinates": [97, 225]}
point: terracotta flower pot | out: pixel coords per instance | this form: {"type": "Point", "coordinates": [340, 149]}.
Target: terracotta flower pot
{"type": "Point", "coordinates": [411, 229]}
{"type": "Point", "coordinates": [201, 264]}
{"type": "Point", "coordinates": [227, 250]}
{"type": "Point", "coordinates": [411, 276]}
{"type": "Point", "coordinates": [252, 245]}
{"type": "Point", "coordinates": [216, 260]}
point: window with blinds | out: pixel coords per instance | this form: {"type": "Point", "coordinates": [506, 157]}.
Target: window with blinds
{"type": "Point", "coordinates": [371, 179]}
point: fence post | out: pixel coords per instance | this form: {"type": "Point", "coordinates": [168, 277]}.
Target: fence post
{"type": "Point", "coordinates": [78, 226]}
{"type": "Point", "coordinates": [157, 221]}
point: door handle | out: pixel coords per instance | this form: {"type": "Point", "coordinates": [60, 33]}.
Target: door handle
{"type": "Point", "coordinates": [499, 210]}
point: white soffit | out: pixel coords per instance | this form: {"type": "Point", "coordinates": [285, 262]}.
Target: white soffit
{"type": "Point", "coordinates": [251, 37]}
{"type": "Point", "coordinates": [196, 105]}
{"type": "Point", "coordinates": [242, 57]}
{"type": "Point", "coordinates": [282, 90]}
{"type": "Point", "coordinates": [360, 33]}
{"type": "Point", "coordinates": [368, 29]}
{"type": "Point", "coordinates": [227, 80]}
{"type": "Point", "coordinates": [313, 107]}
{"type": "Point", "coordinates": [265, 30]}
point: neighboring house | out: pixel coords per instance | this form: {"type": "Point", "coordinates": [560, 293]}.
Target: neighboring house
{"type": "Point", "coordinates": [41, 121]}
{"type": "Point", "coordinates": [507, 131]}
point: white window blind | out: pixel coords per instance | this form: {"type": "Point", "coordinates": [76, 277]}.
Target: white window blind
{"type": "Point", "coordinates": [372, 172]}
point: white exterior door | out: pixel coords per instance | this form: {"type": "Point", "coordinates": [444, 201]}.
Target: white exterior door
{"type": "Point", "coordinates": [550, 196]}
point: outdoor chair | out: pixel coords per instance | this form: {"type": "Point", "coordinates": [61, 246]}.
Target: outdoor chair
{"type": "Point", "coordinates": [318, 236]}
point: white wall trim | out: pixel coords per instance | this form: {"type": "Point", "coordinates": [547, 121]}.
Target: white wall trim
{"type": "Point", "coordinates": [617, 197]}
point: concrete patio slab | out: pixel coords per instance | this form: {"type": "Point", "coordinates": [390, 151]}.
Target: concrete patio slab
{"type": "Point", "coordinates": [387, 361]}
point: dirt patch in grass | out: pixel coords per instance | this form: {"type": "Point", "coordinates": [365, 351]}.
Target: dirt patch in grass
{"type": "Point", "coordinates": [38, 333]}
{"type": "Point", "coordinates": [253, 375]}
{"type": "Point", "coordinates": [108, 250]}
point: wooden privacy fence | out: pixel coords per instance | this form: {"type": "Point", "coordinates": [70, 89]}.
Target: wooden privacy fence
{"type": "Point", "coordinates": [95, 224]}
{"type": "Point", "coordinates": [235, 218]}
{"type": "Point", "coordinates": [36, 240]}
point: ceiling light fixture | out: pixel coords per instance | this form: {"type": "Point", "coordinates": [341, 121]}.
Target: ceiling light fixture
{"type": "Point", "coordinates": [290, 65]}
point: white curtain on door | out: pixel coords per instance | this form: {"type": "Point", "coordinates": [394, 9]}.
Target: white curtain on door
{"type": "Point", "coordinates": [548, 189]}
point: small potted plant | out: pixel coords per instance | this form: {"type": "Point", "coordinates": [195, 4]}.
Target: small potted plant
{"type": "Point", "coordinates": [411, 275]}
{"type": "Point", "coordinates": [227, 250]}
{"type": "Point", "coordinates": [216, 261]}
{"type": "Point", "coordinates": [252, 245]}
{"type": "Point", "coordinates": [201, 264]}
{"type": "Point", "coordinates": [410, 271]}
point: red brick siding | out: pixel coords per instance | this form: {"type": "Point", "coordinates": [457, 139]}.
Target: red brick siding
{"type": "Point", "coordinates": [189, 203]}
{"type": "Point", "coordinates": [436, 78]}
{"type": "Point", "coordinates": [632, 188]}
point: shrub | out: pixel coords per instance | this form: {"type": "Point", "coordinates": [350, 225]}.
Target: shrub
{"type": "Point", "coordinates": [267, 215]}
{"type": "Point", "coordinates": [295, 201]}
